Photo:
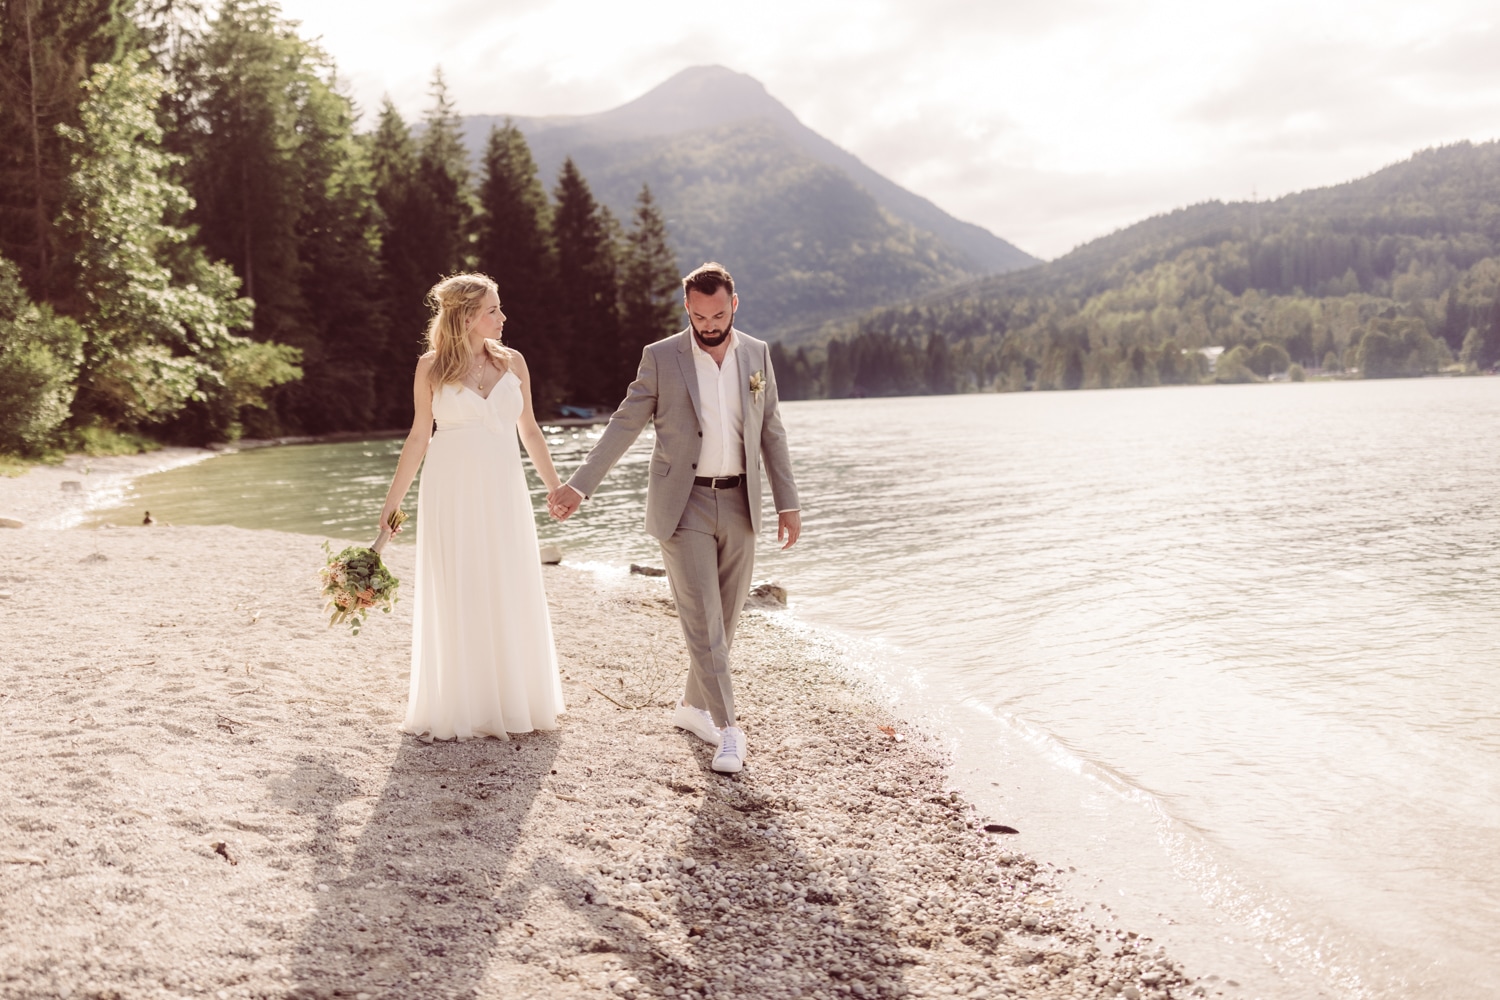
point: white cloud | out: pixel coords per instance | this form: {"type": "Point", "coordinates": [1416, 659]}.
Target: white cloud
{"type": "Point", "coordinates": [1048, 123]}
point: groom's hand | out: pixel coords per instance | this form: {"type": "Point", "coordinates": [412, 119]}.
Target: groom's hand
{"type": "Point", "coordinates": [564, 501]}
{"type": "Point", "coordinates": [788, 527]}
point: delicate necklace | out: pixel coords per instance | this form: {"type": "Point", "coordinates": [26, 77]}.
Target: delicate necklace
{"type": "Point", "coordinates": [477, 372]}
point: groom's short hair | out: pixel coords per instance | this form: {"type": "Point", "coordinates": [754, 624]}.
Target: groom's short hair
{"type": "Point", "coordinates": [707, 279]}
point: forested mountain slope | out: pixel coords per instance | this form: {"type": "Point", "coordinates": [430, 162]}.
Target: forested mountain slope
{"type": "Point", "coordinates": [1397, 273]}
{"type": "Point", "coordinates": [810, 231]}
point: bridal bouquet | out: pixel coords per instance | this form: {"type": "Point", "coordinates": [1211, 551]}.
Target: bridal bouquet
{"type": "Point", "coordinates": [355, 580]}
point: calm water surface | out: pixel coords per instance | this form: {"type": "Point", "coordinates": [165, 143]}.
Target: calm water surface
{"type": "Point", "coordinates": [1230, 651]}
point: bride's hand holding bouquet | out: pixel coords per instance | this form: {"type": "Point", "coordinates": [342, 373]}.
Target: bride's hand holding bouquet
{"type": "Point", "coordinates": [356, 580]}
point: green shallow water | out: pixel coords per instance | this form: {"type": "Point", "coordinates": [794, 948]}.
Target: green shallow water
{"type": "Point", "coordinates": [338, 489]}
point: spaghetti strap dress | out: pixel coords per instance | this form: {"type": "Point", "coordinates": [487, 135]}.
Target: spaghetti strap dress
{"type": "Point", "coordinates": [482, 657]}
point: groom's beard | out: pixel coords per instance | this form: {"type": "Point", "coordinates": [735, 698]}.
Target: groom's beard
{"type": "Point", "coordinates": [713, 338]}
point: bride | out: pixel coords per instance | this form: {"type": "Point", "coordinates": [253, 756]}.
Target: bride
{"type": "Point", "coordinates": [482, 658]}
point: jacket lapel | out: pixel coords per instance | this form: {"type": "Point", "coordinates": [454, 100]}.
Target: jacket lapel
{"type": "Point", "coordinates": [752, 419]}
{"type": "Point", "coordinates": [689, 371]}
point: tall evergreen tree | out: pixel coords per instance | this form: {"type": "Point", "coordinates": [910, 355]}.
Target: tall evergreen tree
{"type": "Point", "coordinates": [443, 171]}
{"type": "Point", "coordinates": [407, 273]}
{"type": "Point", "coordinates": [46, 52]}
{"type": "Point", "coordinates": [650, 289]}
{"type": "Point", "coordinates": [584, 232]}
{"type": "Point", "coordinates": [514, 246]}
{"type": "Point", "coordinates": [284, 196]}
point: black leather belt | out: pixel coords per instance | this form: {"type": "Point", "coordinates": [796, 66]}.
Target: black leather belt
{"type": "Point", "coordinates": [718, 482]}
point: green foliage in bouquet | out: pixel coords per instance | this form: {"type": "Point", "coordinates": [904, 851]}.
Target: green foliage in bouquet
{"type": "Point", "coordinates": [356, 580]}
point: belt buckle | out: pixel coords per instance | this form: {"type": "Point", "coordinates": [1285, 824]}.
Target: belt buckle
{"type": "Point", "coordinates": [723, 482]}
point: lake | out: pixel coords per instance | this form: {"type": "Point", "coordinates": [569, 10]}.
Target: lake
{"type": "Point", "coordinates": [1229, 651]}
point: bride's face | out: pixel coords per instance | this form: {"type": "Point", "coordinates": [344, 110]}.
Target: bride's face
{"type": "Point", "coordinates": [490, 320]}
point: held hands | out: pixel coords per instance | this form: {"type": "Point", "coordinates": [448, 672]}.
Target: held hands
{"type": "Point", "coordinates": [563, 501]}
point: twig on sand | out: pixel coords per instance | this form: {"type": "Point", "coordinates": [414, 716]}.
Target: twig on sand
{"type": "Point", "coordinates": [225, 722]}
{"type": "Point", "coordinates": [653, 677]}
{"type": "Point", "coordinates": [615, 701]}
{"type": "Point", "coordinates": [22, 859]}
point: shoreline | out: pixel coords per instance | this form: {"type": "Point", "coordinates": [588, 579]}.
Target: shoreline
{"type": "Point", "coordinates": [58, 496]}
{"type": "Point", "coordinates": [203, 701]}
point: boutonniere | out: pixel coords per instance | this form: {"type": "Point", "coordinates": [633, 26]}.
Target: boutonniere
{"type": "Point", "coordinates": [757, 384]}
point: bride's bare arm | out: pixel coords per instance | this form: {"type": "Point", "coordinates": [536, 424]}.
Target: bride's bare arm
{"type": "Point", "coordinates": [531, 432]}
{"type": "Point", "coordinates": [417, 439]}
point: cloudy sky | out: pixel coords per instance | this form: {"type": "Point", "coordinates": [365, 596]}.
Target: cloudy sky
{"type": "Point", "coordinates": [1049, 122]}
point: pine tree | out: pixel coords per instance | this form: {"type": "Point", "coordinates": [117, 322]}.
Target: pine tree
{"type": "Point", "coordinates": [443, 172]}
{"type": "Point", "coordinates": [939, 378]}
{"type": "Point", "coordinates": [650, 289]}
{"type": "Point", "coordinates": [585, 234]}
{"type": "Point", "coordinates": [284, 195]}
{"type": "Point", "coordinates": [514, 247]}
{"type": "Point", "coordinates": [407, 276]}
{"type": "Point", "coordinates": [46, 52]}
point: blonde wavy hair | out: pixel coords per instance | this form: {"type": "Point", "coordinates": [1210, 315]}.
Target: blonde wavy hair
{"type": "Point", "coordinates": [455, 301]}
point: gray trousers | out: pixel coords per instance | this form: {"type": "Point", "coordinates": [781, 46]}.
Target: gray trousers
{"type": "Point", "coordinates": [709, 559]}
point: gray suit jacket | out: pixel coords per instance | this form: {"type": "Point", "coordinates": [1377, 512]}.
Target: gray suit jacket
{"type": "Point", "coordinates": [665, 391]}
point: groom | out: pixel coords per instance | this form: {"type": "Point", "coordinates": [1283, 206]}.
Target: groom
{"type": "Point", "coordinates": [711, 394]}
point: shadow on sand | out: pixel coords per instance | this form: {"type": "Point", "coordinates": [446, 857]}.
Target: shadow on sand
{"type": "Point", "coordinates": [783, 934]}
{"type": "Point", "coordinates": [413, 906]}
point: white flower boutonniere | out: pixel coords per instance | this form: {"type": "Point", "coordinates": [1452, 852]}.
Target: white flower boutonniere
{"type": "Point", "coordinates": [757, 384]}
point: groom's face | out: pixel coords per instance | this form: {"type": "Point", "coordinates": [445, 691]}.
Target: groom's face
{"type": "Point", "coordinates": [712, 316]}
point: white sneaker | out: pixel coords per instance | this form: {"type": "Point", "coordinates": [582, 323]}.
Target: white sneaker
{"type": "Point", "coordinates": [731, 755]}
{"type": "Point", "coordinates": [696, 721]}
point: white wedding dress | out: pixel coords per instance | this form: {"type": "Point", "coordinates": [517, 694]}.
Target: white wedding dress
{"type": "Point", "coordinates": [482, 659]}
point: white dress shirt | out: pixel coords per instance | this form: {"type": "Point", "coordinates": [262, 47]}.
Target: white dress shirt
{"type": "Point", "coordinates": [723, 451]}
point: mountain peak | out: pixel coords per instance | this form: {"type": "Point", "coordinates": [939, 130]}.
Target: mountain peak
{"type": "Point", "coordinates": [695, 98]}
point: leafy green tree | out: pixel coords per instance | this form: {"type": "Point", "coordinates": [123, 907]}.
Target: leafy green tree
{"type": "Point", "coordinates": [39, 357]}
{"type": "Point", "coordinates": [514, 247]}
{"type": "Point", "coordinates": [158, 315]}
{"type": "Point", "coordinates": [1268, 359]}
{"type": "Point", "coordinates": [1234, 366]}
{"type": "Point", "coordinates": [46, 51]}
{"type": "Point", "coordinates": [650, 288]}
{"type": "Point", "coordinates": [1399, 347]}
{"type": "Point", "coordinates": [584, 232]}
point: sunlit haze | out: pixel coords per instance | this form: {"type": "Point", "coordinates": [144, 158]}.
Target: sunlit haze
{"type": "Point", "coordinates": [1049, 123]}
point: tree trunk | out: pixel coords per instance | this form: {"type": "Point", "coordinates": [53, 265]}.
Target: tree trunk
{"type": "Point", "coordinates": [36, 160]}
{"type": "Point", "coordinates": [245, 221]}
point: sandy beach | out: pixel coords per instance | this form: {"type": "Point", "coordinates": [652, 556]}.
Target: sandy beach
{"type": "Point", "coordinates": [205, 794]}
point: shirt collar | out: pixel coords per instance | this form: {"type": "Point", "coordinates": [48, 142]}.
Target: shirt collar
{"type": "Point", "coordinates": [698, 351]}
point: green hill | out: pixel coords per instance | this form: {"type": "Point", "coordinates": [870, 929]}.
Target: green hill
{"type": "Point", "coordinates": [1397, 273]}
{"type": "Point", "coordinates": [810, 232]}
